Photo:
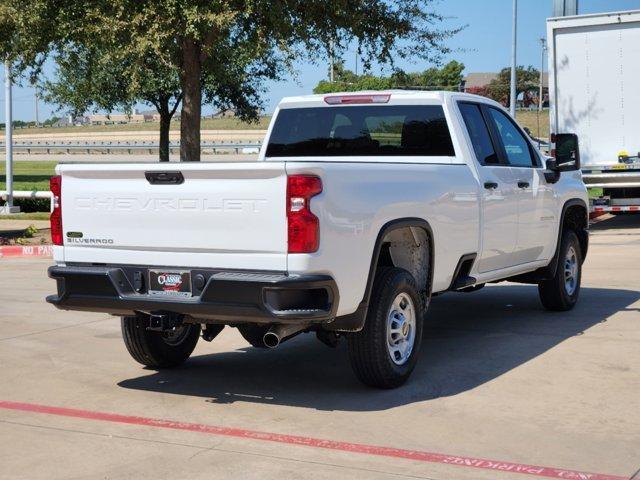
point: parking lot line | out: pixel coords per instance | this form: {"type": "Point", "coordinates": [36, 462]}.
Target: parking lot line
{"type": "Point", "coordinates": [417, 455]}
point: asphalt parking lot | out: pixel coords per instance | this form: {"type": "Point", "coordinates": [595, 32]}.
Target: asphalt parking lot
{"type": "Point", "coordinates": [503, 390]}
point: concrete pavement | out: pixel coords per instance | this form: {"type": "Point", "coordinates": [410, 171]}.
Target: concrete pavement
{"type": "Point", "coordinates": [499, 378]}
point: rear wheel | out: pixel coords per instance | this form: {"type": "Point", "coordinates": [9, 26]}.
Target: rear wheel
{"type": "Point", "coordinates": [384, 353]}
{"type": "Point", "coordinates": [158, 349]}
{"type": "Point", "coordinates": [560, 293]}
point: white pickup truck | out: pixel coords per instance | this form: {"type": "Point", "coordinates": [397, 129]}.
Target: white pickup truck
{"type": "Point", "coordinates": [359, 209]}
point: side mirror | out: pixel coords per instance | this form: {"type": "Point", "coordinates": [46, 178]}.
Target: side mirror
{"type": "Point", "coordinates": [552, 173]}
{"type": "Point", "coordinates": [567, 152]}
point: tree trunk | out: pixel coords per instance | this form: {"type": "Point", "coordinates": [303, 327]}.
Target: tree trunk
{"type": "Point", "coordinates": [191, 102]}
{"type": "Point", "coordinates": [165, 126]}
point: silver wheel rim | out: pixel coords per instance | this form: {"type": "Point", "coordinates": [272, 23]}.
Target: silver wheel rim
{"type": "Point", "coordinates": [571, 271]}
{"type": "Point", "coordinates": [176, 336]}
{"type": "Point", "coordinates": [401, 329]}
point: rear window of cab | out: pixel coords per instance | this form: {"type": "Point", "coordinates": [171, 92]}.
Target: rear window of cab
{"type": "Point", "coordinates": [371, 130]}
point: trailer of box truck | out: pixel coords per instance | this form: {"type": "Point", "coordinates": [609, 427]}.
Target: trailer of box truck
{"type": "Point", "coordinates": [594, 91]}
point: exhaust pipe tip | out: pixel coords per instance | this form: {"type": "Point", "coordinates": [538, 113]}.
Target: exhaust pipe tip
{"type": "Point", "coordinates": [271, 340]}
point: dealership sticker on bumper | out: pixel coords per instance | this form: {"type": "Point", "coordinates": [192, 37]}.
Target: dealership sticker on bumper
{"type": "Point", "coordinates": [170, 283]}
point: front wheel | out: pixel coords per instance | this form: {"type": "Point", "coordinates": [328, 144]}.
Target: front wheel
{"type": "Point", "coordinates": [156, 349]}
{"type": "Point", "coordinates": [384, 353]}
{"type": "Point", "coordinates": [560, 293]}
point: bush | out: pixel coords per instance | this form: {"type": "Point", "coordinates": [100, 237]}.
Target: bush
{"type": "Point", "coordinates": [28, 205]}
{"type": "Point", "coordinates": [30, 231]}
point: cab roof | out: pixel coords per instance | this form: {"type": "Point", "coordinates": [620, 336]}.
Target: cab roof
{"type": "Point", "coordinates": [400, 96]}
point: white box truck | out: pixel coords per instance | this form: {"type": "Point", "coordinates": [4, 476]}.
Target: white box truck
{"type": "Point", "coordinates": [594, 91]}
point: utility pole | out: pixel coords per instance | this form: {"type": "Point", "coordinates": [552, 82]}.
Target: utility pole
{"type": "Point", "coordinates": [37, 115]}
{"type": "Point", "coordinates": [563, 8]}
{"type": "Point", "coordinates": [543, 44]}
{"type": "Point", "coordinates": [8, 141]}
{"type": "Point", "coordinates": [512, 94]}
{"type": "Point", "coordinates": [356, 63]}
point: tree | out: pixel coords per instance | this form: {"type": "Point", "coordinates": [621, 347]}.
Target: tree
{"type": "Point", "coordinates": [50, 121]}
{"type": "Point", "coordinates": [527, 79]}
{"type": "Point", "coordinates": [448, 77]}
{"type": "Point", "coordinates": [347, 81]}
{"type": "Point", "coordinates": [223, 50]}
{"type": "Point", "coordinates": [93, 79]}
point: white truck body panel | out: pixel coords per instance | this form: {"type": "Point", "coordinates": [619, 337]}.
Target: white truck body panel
{"type": "Point", "coordinates": [354, 207]}
{"type": "Point", "coordinates": [594, 72]}
{"type": "Point", "coordinates": [227, 215]}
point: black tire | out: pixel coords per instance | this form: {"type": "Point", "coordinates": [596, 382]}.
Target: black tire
{"type": "Point", "coordinates": [155, 349]}
{"type": "Point", "coordinates": [254, 334]}
{"type": "Point", "coordinates": [369, 348]}
{"type": "Point", "coordinates": [555, 293]}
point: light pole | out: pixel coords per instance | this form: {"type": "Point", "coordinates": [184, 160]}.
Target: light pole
{"type": "Point", "coordinates": [512, 93]}
{"type": "Point", "coordinates": [356, 63]}
{"type": "Point", "coordinates": [543, 44]}
{"type": "Point", "coordinates": [37, 113]}
{"type": "Point", "coordinates": [8, 141]}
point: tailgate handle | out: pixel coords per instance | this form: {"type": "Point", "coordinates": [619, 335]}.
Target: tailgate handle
{"type": "Point", "coordinates": [164, 178]}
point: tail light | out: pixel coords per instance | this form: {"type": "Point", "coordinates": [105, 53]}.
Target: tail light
{"type": "Point", "coordinates": [302, 225]}
{"type": "Point", "coordinates": [357, 99]}
{"type": "Point", "coordinates": [55, 185]}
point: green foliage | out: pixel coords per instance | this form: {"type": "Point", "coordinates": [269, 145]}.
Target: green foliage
{"type": "Point", "coordinates": [93, 78]}
{"type": "Point", "coordinates": [29, 205]}
{"type": "Point", "coordinates": [30, 176]}
{"type": "Point", "coordinates": [30, 231]}
{"type": "Point", "coordinates": [26, 216]}
{"type": "Point", "coordinates": [221, 52]}
{"type": "Point", "coordinates": [446, 78]}
{"type": "Point", "coordinates": [347, 81]}
{"type": "Point", "coordinates": [51, 121]}
{"type": "Point", "coordinates": [527, 79]}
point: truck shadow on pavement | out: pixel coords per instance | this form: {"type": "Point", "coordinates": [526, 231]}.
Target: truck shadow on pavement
{"type": "Point", "coordinates": [469, 339]}
{"type": "Point", "coordinates": [614, 223]}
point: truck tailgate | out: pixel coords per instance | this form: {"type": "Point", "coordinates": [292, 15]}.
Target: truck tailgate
{"type": "Point", "coordinates": [222, 215]}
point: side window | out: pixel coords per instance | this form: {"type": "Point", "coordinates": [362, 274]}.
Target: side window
{"type": "Point", "coordinates": [480, 138]}
{"type": "Point", "coordinates": [515, 144]}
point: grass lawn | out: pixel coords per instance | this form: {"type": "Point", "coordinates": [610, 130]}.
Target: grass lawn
{"type": "Point", "coordinates": [207, 124]}
{"type": "Point", "coordinates": [26, 216]}
{"type": "Point", "coordinates": [529, 119]}
{"type": "Point", "coordinates": [29, 175]}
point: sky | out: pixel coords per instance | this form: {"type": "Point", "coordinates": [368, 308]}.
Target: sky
{"type": "Point", "coordinates": [484, 45]}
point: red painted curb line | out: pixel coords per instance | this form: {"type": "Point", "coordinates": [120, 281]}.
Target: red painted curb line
{"type": "Point", "coordinates": [17, 251]}
{"type": "Point", "coordinates": [420, 456]}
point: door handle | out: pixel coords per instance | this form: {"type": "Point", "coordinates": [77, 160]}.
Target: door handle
{"type": "Point", "coordinates": [164, 178]}
{"type": "Point", "coordinates": [523, 184]}
{"type": "Point", "coordinates": [490, 185]}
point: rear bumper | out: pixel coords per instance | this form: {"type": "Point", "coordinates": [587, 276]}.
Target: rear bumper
{"type": "Point", "coordinates": [222, 296]}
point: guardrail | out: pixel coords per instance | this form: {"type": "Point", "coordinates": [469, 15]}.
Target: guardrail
{"type": "Point", "coordinates": [126, 147]}
{"type": "Point", "coordinates": [29, 194]}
